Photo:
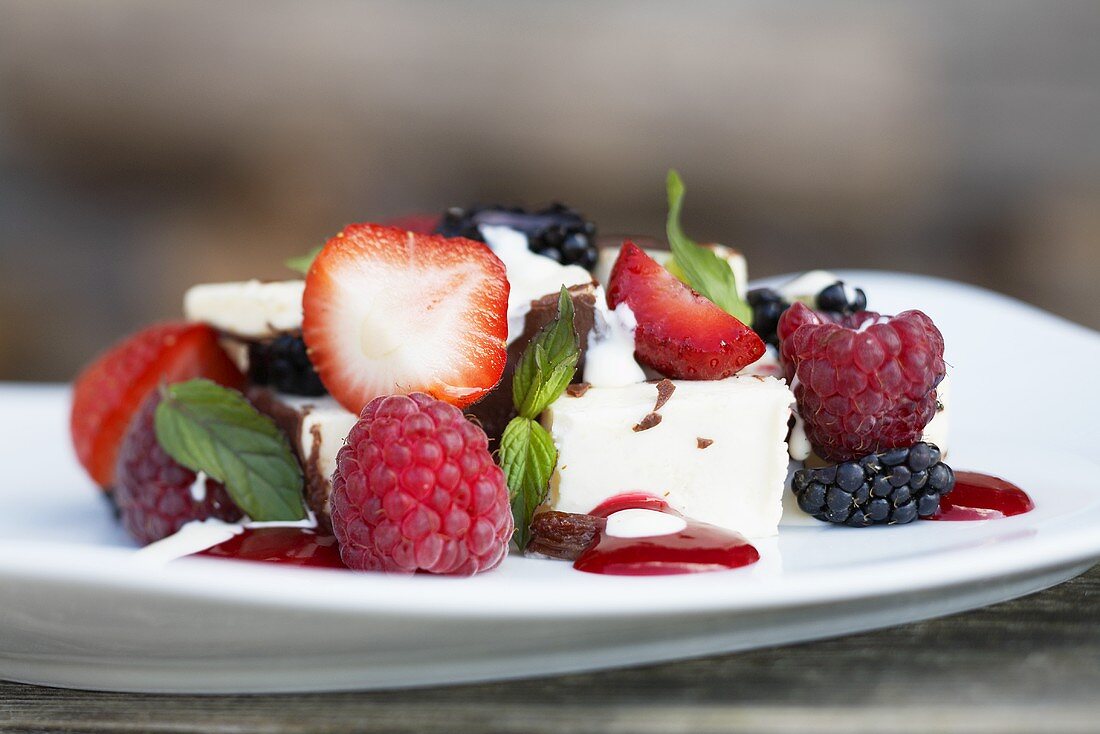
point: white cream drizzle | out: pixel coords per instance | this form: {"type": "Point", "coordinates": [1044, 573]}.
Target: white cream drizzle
{"type": "Point", "coordinates": [609, 360]}
{"type": "Point", "coordinates": [530, 276]}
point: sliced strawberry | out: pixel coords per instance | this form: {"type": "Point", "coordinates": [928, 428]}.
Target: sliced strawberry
{"type": "Point", "coordinates": [110, 390]}
{"type": "Point", "coordinates": [680, 333]}
{"type": "Point", "coordinates": [419, 223]}
{"type": "Point", "coordinates": [391, 311]}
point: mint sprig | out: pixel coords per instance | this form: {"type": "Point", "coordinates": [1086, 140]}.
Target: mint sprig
{"type": "Point", "coordinates": [547, 365]}
{"type": "Point", "coordinates": [301, 263]}
{"type": "Point", "coordinates": [698, 266]}
{"type": "Point", "coordinates": [527, 453]}
{"type": "Point", "coordinates": [527, 456]}
{"type": "Point", "coordinates": [215, 430]}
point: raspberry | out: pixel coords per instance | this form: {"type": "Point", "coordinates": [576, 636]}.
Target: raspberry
{"type": "Point", "coordinates": [415, 489]}
{"type": "Point", "coordinates": [864, 382]}
{"type": "Point", "coordinates": [156, 495]}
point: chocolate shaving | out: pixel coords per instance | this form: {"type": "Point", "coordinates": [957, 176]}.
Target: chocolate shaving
{"type": "Point", "coordinates": [760, 378]}
{"type": "Point", "coordinates": [665, 388]}
{"type": "Point", "coordinates": [563, 535]}
{"type": "Point", "coordinates": [648, 422]}
{"type": "Point", "coordinates": [703, 442]}
{"type": "Point", "coordinates": [577, 389]}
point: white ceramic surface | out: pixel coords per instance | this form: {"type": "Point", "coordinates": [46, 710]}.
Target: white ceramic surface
{"type": "Point", "coordinates": [78, 609]}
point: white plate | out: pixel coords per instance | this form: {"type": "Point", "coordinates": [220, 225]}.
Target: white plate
{"type": "Point", "coordinates": [78, 609]}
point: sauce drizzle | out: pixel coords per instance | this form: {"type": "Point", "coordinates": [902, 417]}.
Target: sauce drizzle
{"type": "Point", "coordinates": [287, 546]}
{"type": "Point", "coordinates": [979, 496]}
{"type": "Point", "coordinates": [697, 548]}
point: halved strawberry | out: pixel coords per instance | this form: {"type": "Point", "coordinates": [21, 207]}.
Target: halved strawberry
{"type": "Point", "coordinates": [110, 390]}
{"type": "Point", "coordinates": [680, 333]}
{"type": "Point", "coordinates": [392, 311]}
{"type": "Point", "coordinates": [419, 223]}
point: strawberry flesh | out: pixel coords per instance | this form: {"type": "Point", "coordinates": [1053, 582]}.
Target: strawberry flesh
{"type": "Point", "coordinates": [110, 391]}
{"type": "Point", "coordinates": [388, 310]}
{"type": "Point", "coordinates": [680, 333]}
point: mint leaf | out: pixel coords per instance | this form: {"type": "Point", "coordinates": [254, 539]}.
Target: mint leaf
{"type": "Point", "coordinates": [301, 263]}
{"type": "Point", "coordinates": [700, 268]}
{"type": "Point", "coordinates": [547, 365]}
{"type": "Point", "coordinates": [527, 456]}
{"type": "Point", "coordinates": [212, 429]}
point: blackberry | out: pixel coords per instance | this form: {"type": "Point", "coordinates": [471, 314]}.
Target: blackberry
{"type": "Point", "coordinates": [556, 231]}
{"type": "Point", "coordinates": [767, 306]}
{"type": "Point", "coordinates": [283, 363]}
{"type": "Point", "coordinates": [842, 299]}
{"type": "Point", "coordinates": [888, 488]}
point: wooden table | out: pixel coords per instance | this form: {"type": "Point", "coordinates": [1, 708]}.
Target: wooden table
{"type": "Point", "coordinates": [1023, 666]}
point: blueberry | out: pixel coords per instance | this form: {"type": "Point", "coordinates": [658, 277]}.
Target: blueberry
{"type": "Point", "coordinates": [767, 306]}
{"type": "Point", "coordinates": [835, 299]}
{"type": "Point", "coordinates": [758, 296]}
{"type": "Point", "coordinates": [832, 298]}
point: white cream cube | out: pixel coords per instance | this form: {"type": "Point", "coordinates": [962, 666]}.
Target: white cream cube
{"type": "Point", "coordinates": [735, 481]}
{"type": "Point", "coordinates": [249, 309]}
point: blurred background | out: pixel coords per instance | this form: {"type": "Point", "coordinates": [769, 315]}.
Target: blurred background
{"type": "Point", "coordinates": [148, 146]}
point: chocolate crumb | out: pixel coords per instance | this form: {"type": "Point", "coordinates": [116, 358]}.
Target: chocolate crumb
{"type": "Point", "coordinates": [761, 378]}
{"type": "Point", "coordinates": [577, 389]}
{"type": "Point", "coordinates": [665, 388]}
{"type": "Point", "coordinates": [703, 442]}
{"type": "Point", "coordinates": [648, 422]}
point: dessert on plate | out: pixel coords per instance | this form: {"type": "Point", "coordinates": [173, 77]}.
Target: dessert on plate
{"type": "Point", "coordinates": [436, 392]}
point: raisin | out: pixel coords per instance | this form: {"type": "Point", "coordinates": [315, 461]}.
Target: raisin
{"type": "Point", "coordinates": [563, 535]}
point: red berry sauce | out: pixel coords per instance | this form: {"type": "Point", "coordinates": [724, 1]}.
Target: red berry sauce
{"type": "Point", "coordinates": [287, 546]}
{"type": "Point", "coordinates": [697, 548]}
{"type": "Point", "coordinates": [982, 497]}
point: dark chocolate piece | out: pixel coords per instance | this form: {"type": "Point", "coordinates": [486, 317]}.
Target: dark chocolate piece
{"type": "Point", "coordinates": [703, 442]}
{"type": "Point", "coordinates": [648, 422]}
{"type": "Point", "coordinates": [577, 389]}
{"type": "Point", "coordinates": [665, 388]}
